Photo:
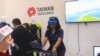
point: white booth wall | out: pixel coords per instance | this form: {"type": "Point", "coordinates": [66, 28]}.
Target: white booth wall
{"type": "Point", "coordinates": [87, 33]}
{"type": "Point", "coordinates": [2, 8]}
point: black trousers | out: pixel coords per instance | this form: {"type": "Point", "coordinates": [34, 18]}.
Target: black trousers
{"type": "Point", "coordinates": [60, 52]}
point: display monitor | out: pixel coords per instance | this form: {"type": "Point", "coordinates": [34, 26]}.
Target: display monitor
{"type": "Point", "coordinates": [96, 50]}
{"type": "Point", "coordinates": [82, 11]}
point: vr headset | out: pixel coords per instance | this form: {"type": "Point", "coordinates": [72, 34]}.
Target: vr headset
{"type": "Point", "coordinates": [52, 21]}
{"type": "Point", "coordinates": [4, 31]}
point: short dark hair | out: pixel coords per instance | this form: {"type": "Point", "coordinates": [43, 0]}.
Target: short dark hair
{"type": "Point", "coordinates": [57, 25]}
{"type": "Point", "coordinates": [16, 21]}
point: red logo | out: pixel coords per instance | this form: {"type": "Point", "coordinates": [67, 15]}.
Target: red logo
{"type": "Point", "coordinates": [31, 11]}
{"type": "Point", "coordinates": [3, 31]}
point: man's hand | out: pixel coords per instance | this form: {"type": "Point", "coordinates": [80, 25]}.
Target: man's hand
{"type": "Point", "coordinates": [5, 43]}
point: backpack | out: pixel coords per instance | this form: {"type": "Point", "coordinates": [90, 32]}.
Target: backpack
{"type": "Point", "coordinates": [36, 32]}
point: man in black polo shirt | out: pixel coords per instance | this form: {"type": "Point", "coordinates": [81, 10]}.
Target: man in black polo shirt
{"type": "Point", "coordinates": [21, 37]}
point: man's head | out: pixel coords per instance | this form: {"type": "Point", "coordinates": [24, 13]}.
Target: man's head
{"type": "Point", "coordinates": [16, 21]}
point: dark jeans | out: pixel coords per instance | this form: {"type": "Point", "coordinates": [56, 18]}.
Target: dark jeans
{"type": "Point", "coordinates": [60, 52]}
